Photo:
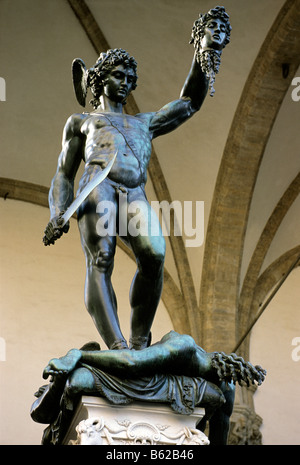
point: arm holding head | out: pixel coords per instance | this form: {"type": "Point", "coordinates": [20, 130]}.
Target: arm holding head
{"type": "Point", "coordinates": [175, 113]}
{"type": "Point", "coordinates": [210, 34]}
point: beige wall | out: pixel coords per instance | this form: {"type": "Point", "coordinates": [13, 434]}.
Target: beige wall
{"type": "Point", "coordinates": [42, 311]}
{"type": "Point", "coordinates": [277, 401]}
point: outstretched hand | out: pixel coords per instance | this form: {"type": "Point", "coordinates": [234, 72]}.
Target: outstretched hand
{"type": "Point", "coordinates": [55, 229]}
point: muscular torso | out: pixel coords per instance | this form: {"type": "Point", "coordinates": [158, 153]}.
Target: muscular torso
{"type": "Point", "coordinates": [105, 133]}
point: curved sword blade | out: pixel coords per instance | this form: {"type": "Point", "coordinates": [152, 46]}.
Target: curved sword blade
{"type": "Point", "coordinates": [87, 190]}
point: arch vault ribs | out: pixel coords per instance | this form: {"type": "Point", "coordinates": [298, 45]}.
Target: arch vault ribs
{"type": "Point", "coordinates": [257, 110]}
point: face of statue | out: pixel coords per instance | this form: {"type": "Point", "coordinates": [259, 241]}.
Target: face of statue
{"type": "Point", "coordinates": [214, 34]}
{"type": "Point", "coordinates": [118, 84]}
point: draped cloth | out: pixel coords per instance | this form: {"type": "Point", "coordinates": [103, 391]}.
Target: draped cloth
{"type": "Point", "coordinates": [182, 393]}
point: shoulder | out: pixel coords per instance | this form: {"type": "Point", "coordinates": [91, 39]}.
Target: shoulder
{"type": "Point", "coordinates": [77, 119]}
{"type": "Point", "coordinates": [74, 122]}
{"type": "Point", "coordinates": [145, 118]}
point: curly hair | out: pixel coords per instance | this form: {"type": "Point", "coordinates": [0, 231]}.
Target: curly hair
{"type": "Point", "coordinates": [200, 24]}
{"type": "Point", "coordinates": [232, 368]}
{"type": "Point", "coordinates": [106, 62]}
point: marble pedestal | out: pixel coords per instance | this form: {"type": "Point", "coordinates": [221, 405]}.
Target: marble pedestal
{"type": "Point", "coordinates": [98, 422]}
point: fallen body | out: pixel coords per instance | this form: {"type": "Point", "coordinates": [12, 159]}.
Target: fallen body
{"type": "Point", "coordinates": [173, 365]}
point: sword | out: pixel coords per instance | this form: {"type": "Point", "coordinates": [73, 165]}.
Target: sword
{"type": "Point", "coordinates": [50, 237]}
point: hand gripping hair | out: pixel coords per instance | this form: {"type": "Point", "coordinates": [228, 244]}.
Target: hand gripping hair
{"type": "Point", "coordinates": [94, 78]}
{"type": "Point", "coordinates": [209, 59]}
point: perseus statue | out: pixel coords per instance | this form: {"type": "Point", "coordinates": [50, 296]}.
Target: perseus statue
{"type": "Point", "coordinates": [115, 148]}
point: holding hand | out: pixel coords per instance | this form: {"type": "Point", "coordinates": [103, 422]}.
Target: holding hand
{"type": "Point", "coordinates": [55, 229]}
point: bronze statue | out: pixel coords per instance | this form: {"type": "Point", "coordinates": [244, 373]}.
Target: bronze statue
{"type": "Point", "coordinates": [116, 149]}
{"type": "Point", "coordinates": [210, 34]}
{"type": "Point", "coordinates": [96, 137]}
{"type": "Point", "coordinates": [175, 371]}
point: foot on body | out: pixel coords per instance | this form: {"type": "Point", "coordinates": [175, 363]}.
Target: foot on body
{"type": "Point", "coordinates": [62, 365]}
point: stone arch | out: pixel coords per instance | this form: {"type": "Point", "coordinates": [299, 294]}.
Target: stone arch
{"type": "Point", "coordinates": [245, 308]}
{"type": "Point", "coordinates": [260, 102]}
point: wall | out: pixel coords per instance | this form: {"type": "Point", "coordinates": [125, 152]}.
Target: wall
{"type": "Point", "coordinates": [277, 399]}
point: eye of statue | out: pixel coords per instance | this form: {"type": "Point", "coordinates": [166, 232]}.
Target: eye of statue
{"type": "Point", "coordinates": [118, 74]}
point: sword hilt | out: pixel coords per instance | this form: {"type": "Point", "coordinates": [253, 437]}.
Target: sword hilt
{"type": "Point", "coordinates": [52, 232]}
{"type": "Point", "coordinates": [55, 229]}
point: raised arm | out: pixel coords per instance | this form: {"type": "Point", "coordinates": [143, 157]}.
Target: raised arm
{"type": "Point", "coordinates": [177, 112]}
{"type": "Point", "coordinates": [61, 191]}
{"type": "Point", "coordinates": [195, 87]}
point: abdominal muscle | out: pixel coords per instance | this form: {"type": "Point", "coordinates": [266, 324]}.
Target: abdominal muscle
{"type": "Point", "coordinates": [126, 170]}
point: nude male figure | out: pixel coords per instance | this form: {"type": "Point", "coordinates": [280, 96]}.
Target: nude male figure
{"type": "Point", "coordinates": [94, 138]}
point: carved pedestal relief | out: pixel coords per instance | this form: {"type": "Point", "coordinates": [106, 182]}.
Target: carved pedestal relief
{"type": "Point", "coordinates": [96, 431]}
{"type": "Point", "coordinates": [96, 422]}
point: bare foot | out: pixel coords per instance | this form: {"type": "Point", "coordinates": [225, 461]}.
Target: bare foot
{"type": "Point", "coordinates": [63, 365]}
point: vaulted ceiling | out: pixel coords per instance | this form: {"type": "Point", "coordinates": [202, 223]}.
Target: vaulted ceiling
{"type": "Point", "coordinates": [240, 154]}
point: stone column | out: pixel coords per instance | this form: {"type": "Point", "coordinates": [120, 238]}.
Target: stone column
{"type": "Point", "coordinates": [244, 422]}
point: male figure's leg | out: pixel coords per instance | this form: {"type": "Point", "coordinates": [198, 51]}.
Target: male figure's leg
{"type": "Point", "coordinates": [79, 382]}
{"type": "Point", "coordinates": [147, 284]}
{"type": "Point", "coordinates": [220, 421]}
{"type": "Point", "coordinates": [99, 251]}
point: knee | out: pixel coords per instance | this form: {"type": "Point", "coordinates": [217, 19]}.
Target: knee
{"type": "Point", "coordinates": [103, 260]}
{"type": "Point", "coordinates": [187, 342]}
{"type": "Point", "coordinates": [99, 252]}
{"type": "Point", "coordinates": [151, 260]}
{"type": "Point", "coordinates": [81, 380]}
{"type": "Point", "coordinates": [72, 387]}
{"type": "Point", "coordinates": [183, 344]}
{"type": "Point", "coordinates": [214, 397]}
